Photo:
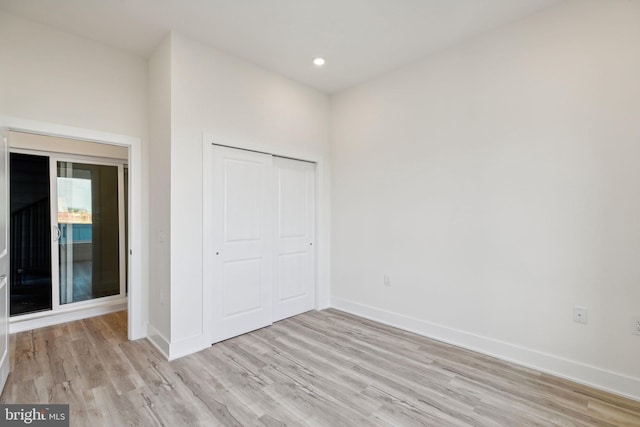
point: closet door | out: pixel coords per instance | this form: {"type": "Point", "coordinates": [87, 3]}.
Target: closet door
{"type": "Point", "coordinates": [242, 250]}
{"type": "Point", "coordinates": [294, 269]}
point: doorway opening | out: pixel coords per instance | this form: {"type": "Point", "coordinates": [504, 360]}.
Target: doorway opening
{"type": "Point", "coordinates": [68, 229]}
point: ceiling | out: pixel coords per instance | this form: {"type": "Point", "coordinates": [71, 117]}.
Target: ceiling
{"type": "Point", "coordinates": [360, 39]}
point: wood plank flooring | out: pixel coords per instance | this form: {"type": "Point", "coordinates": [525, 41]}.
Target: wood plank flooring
{"type": "Point", "coordinates": [323, 368]}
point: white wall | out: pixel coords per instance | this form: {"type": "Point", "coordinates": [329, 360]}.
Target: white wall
{"type": "Point", "coordinates": [234, 103]}
{"type": "Point", "coordinates": [48, 76]}
{"type": "Point", "coordinates": [160, 194]}
{"type": "Point", "coordinates": [497, 184]}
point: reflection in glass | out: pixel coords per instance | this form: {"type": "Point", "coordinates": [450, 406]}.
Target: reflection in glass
{"type": "Point", "coordinates": [89, 231]}
{"type": "Point", "coordinates": [30, 231]}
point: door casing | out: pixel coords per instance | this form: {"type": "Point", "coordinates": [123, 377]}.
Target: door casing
{"type": "Point", "coordinates": [5, 364]}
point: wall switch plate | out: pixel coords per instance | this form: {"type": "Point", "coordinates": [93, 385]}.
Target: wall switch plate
{"type": "Point", "coordinates": [387, 280]}
{"type": "Point", "coordinates": [580, 314]}
{"type": "Point", "coordinates": [636, 325]}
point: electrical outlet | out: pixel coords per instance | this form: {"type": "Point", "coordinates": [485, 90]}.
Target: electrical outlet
{"type": "Point", "coordinates": [387, 281]}
{"type": "Point", "coordinates": [636, 325]}
{"type": "Point", "coordinates": [580, 314]}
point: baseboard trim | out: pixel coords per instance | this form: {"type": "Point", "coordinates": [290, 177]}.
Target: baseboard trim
{"type": "Point", "coordinates": [186, 346]}
{"type": "Point", "coordinates": [174, 350]}
{"type": "Point", "coordinates": [581, 373]}
{"type": "Point", "coordinates": [44, 319]}
{"type": "Point", "coordinates": [158, 341]}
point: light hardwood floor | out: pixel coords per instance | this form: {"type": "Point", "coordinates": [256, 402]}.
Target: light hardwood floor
{"type": "Point", "coordinates": [323, 368]}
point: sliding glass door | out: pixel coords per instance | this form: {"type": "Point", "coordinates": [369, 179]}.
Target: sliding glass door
{"type": "Point", "coordinates": [88, 217]}
{"type": "Point", "coordinates": [67, 231]}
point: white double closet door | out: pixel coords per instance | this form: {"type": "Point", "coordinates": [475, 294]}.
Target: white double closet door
{"type": "Point", "coordinates": [262, 233]}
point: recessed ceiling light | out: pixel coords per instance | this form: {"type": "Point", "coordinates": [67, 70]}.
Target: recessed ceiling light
{"type": "Point", "coordinates": [318, 62]}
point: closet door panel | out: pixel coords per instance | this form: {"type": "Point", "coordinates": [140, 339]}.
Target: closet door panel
{"type": "Point", "coordinates": [241, 299]}
{"type": "Point", "coordinates": [294, 275]}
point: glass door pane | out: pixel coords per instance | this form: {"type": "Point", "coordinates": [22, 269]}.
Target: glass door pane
{"type": "Point", "coordinates": [88, 219]}
{"type": "Point", "coordinates": [30, 234]}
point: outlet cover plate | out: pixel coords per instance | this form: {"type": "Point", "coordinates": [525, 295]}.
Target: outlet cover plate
{"type": "Point", "coordinates": [636, 325]}
{"type": "Point", "coordinates": [580, 314]}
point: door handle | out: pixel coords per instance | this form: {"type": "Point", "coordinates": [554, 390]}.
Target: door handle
{"type": "Point", "coordinates": [56, 230]}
